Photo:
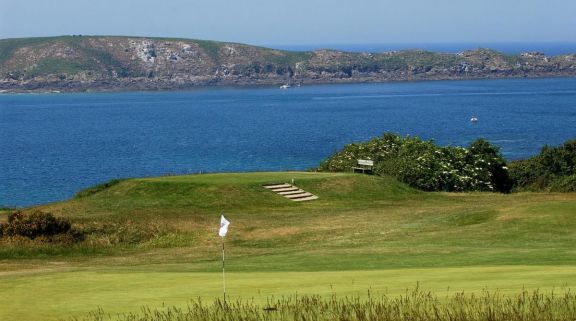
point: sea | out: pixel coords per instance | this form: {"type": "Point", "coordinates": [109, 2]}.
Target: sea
{"type": "Point", "coordinates": [53, 145]}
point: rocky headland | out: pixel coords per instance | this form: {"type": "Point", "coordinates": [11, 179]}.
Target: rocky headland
{"type": "Point", "coordinates": [110, 63]}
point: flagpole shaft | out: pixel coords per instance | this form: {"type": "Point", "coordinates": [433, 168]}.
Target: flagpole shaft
{"type": "Point", "coordinates": [223, 271]}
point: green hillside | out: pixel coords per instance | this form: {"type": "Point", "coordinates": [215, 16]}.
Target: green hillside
{"type": "Point", "coordinates": [154, 240]}
{"type": "Point", "coordinates": [356, 214]}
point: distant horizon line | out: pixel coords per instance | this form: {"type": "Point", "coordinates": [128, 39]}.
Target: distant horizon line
{"type": "Point", "coordinates": [419, 42]}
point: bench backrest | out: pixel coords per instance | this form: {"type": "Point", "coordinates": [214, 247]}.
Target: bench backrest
{"type": "Point", "coordinates": [365, 162]}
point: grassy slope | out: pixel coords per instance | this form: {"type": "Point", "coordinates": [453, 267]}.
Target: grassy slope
{"type": "Point", "coordinates": [91, 55]}
{"type": "Point", "coordinates": [362, 232]}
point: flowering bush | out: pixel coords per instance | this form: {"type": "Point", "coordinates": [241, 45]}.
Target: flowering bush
{"type": "Point", "coordinates": [426, 166]}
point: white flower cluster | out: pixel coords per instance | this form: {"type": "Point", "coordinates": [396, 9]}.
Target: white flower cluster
{"type": "Point", "coordinates": [423, 164]}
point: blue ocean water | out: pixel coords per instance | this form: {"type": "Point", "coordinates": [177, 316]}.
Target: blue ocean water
{"type": "Point", "coordinates": [52, 145]}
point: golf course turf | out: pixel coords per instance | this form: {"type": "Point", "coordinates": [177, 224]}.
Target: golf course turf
{"type": "Point", "coordinates": [153, 241]}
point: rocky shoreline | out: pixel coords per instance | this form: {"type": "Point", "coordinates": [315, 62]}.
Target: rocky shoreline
{"type": "Point", "coordinates": [145, 85]}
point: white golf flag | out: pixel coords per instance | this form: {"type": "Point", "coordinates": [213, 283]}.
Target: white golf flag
{"type": "Point", "coordinates": [223, 226]}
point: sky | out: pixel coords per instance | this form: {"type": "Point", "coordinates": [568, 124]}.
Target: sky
{"type": "Point", "coordinates": [273, 22]}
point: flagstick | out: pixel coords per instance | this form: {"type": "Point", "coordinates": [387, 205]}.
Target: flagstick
{"type": "Point", "coordinates": [223, 272]}
{"type": "Point", "coordinates": [222, 232]}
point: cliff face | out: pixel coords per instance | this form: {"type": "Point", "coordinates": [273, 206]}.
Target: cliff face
{"type": "Point", "coordinates": [77, 63]}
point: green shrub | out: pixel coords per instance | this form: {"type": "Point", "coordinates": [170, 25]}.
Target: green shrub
{"type": "Point", "coordinates": [35, 225]}
{"type": "Point", "coordinates": [549, 170]}
{"type": "Point", "coordinates": [564, 184]}
{"type": "Point", "coordinates": [426, 166]}
{"type": "Point", "coordinates": [123, 232]}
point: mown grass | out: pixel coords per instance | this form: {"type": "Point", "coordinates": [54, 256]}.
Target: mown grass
{"type": "Point", "coordinates": [154, 240]}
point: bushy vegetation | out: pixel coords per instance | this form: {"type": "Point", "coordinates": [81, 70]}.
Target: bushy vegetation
{"type": "Point", "coordinates": [90, 239]}
{"type": "Point", "coordinates": [111, 233]}
{"type": "Point", "coordinates": [38, 225]}
{"type": "Point", "coordinates": [9, 46]}
{"type": "Point", "coordinates": [413, 306]}
{"type": "Point", "coordinates": [57, 66]}
{"type": "Point", "coordinates": [211, 48]}
{"type": "Point", "coordinates": [553, 169]}
{"type": "Point", "coordinates": [112, 64]}
{"type": "Point", "coordinates": [426, 166]}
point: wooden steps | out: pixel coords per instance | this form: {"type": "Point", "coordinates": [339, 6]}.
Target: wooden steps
{"type": "Point", "coordinates": [291, 192]}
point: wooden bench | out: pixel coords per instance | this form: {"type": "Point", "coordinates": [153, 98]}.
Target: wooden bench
{"type": "Point", "coordinates": [364, 166]}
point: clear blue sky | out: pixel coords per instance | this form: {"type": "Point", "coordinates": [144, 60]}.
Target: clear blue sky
{"type": "Point", "coordinates": [273, 22]}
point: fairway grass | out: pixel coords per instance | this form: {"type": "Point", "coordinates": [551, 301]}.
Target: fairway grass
{"type": "Point", "coordinates": [49, 296]}
{"type": "Point", "coordinates": [154, 241]}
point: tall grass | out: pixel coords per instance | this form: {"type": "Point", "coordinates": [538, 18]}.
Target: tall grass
{"type": "Point", "coordinates": [415, 305]}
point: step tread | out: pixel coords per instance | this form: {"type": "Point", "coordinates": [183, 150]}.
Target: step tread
{"type": "Point", "coordinates": [298, 191]}
{"type": "Point", "coordinates": [285, 189]}
{"type": "Point", "coordinates": [300, 195]}
{"type": "Point", "coordinates": [309, 198]}
{"type": "Point", "coordinates": [273, 186]}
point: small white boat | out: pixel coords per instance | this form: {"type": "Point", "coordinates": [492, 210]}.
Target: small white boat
{"type": "Point", "coordinates": [285, 86]}
{"type": "Point", "coordinates": [473, 119]}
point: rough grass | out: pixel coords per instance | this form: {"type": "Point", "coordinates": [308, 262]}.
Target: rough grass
{"type": "Point", "coordinates": [287, 57]}
{"type": "Point", "coordinates": [211, 48]}
{"type": "Point", "coordinates": [154, 240]}
{"type": "Point", "coordinates": [57, 66]}
{"type": "Point", "coordinates": [8, 46]}
{"type": "Point", "coordinates": [414, 305]}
